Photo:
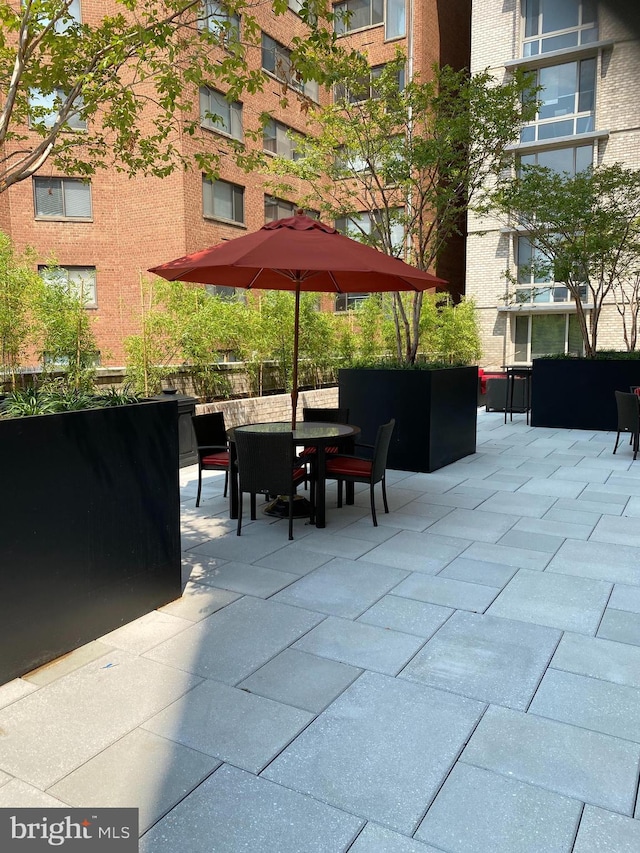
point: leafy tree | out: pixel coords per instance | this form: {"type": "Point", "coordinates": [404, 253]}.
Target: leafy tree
{"type": "Point", "coordinates": [586, 229]}
{"type": "Point", "coordinates": [64, 332]}
{"type": "Point", "coordinates": [403, 163]}
{"type": "Point", "coordinates": [120, 92]}
{"type": "Point", "coordinates": [19, 286]}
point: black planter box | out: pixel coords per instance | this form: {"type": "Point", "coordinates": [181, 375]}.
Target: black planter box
{"type": "Point", "coordinates": [435, 411]}
{"type": "Point", "coordinates": [496, 396]}
{"type": "Point", "coordinates": [89, 527]}
{"type": "Point", "coordinates": [579, 394]}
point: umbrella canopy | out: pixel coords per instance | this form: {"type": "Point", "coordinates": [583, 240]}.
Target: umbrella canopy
{"type": "Point", "coordinates": [298, 254]}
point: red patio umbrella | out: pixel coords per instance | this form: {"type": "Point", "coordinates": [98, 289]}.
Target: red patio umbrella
{"type": "Point", "coordinates": [298, 254]}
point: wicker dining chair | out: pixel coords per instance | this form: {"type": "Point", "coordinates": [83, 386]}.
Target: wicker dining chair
{"type": "Point", "coordinates": [213, 447]}
{"type": "Point", "coordinates": [628, 419]}
{"type": "Point", "coordinates": [267, 464]}
{"type": "Point", "coordinates": [358, 469]}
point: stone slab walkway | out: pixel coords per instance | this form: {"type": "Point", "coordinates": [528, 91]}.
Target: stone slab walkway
{"type": "Point", "coordinates": [464, 678]}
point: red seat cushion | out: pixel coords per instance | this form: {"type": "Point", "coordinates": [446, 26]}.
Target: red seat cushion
{"type": "Point", "coordinates": [299, 474]}
{"type": "Point", "coordinates": [219, 460]}
{"type": "Point", "coordinates": [309, 451]}
{"type": "Point", "coordinates": [348, 466]}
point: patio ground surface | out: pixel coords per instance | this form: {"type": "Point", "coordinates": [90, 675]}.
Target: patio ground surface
{"type": "Point", "coordinates": [463, 678]}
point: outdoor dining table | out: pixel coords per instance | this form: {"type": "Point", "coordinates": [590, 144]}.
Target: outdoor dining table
{"type": "Point", "coordinates": [308, 434]}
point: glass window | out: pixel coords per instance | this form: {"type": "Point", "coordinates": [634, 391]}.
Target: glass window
{"type": "Point", "coordinates": [567, 101]}
{"type": "Point", "coordinates": [395, 21]}
{"type": "Point", "coordinates": [536, 335]}
{"type": "Point", "coordinates": [219, 21]}
{"type": "Point", "coordinates": [79, 280]}
{"type": "Point", "coordinates": [219, 114]}
{"type": "Point", "coordinates": [365, 88]}
{"type": "Point", "coordinates": [279, 139]}
{"type": "Point", "coordinates": [62, 198]}
{"type": "Point", "coordinates": [358, 14]}
{"type": "Point", "coordinates": [558, 24]}
{"type": "Point", "coordinates": [276, 208]}
{"type": "Point", "coordinates": [45, 107]}
{"type": "Point", "coordinates": [362, 225]}
{"type": "Point", "coordinates": [223, 200]}
{"type": "Point", "coordinates": [276, 59]}
{"type": "Point", "coordinates": [570, 160]}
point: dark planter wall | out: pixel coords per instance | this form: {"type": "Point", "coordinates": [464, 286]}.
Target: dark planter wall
{"type": "Point", "coordinates": [579, 394]}
{"type": "Point", "coordinates": [90, 521]}
{"type": "Point", "coordinates": [435, 412]}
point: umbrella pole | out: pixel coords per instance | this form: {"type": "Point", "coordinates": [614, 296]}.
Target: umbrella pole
{"type": "Point", "coordinates": [294, 390]}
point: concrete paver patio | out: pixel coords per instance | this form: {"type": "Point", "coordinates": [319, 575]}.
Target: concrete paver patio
{"type": "Point", "coordinates": [464, 678]}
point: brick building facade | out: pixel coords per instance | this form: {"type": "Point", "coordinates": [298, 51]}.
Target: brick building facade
{"type": "Point", "coordinates": [124, 226]}
{"type": "Point", "coordinates": [595, 122]}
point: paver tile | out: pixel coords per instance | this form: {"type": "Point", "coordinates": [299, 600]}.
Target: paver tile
{"type": "Point", "coordinates": [19, 794]}
{"type": "Point", "coordinates": [377, 839]}
{"type": "Point", "coordinates": [447, 592]}
{"type": "Point", "coordinates": [507, 555]}
{"type": "Point", "coordinates": [301, 680]}
{"type": "Point", "coordinates": [519, 503]}
{"type": "Point", "coordinates": [478, 571]}
{"type": "Point", "coordinates": [341, 587]}
{"type": "Point", "coordinates": [599, 560]}
{"type": "Point", "coordinates": [620, 530]}
{"type": "Point", "coordinates": [598, 658]}
{"type": "Point", "coordinates": [140, 771]}
{"type": "Point", "coordinates": [559, 601]}
{"type": "Point", "coordinates": [417, 552]}
{"type": "Point", "coordinates": [199, 601]}
{"type": "Point", "coordinates": [625, 597]}
{"type": "Point", "coordinates": [233, 811]}
{"type": "Point", "coordinates": [360, 645]}
{"type": "Point", "coordinates": [379, 729]}
{"type": "Point", "coordinates": [292, 558]}
{"type": "Point", "coordinates": [473, 524]}
{"type": "Point", "coordinates": [487, 658]}
{"type": "Point", "coordinates": [586, 765]}
{"type": "Point", "coordinates": [229, 724]}
{"type": "Point", "coordinates": [621, 626]}
{"type": "Point", "coordinates": [605, 832]}
{"type": "Point", "coordinates": [248, 579]}
{"type": "Point", "coordinates": [589, 702]}
{"type": "Point", "coordinates": [407, 615]}
{"type": "Point", "coordinates": [480, 811]}
{"type": "Point", "coordinates": [233, 643]}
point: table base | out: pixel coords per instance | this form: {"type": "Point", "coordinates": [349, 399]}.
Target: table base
{"type": "Point", "coordinates": [279, 507]}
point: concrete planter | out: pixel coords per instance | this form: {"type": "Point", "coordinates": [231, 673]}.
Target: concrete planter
{"type": "Point", "coordinates": [435, 411]}
{"type": "Point", "coordinates": [90, 515]}
{"type": "Point", "coordinates": [579, 393]}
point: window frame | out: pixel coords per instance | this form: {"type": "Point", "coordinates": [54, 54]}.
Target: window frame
{"type": "Point", "coordinates": [61, 216]}
{"type": "Point", "coordinates": [237, 200]}
{"type": "Point", "coordinates": [534, 43]}
{"type": "Point", "coordinates": [74, 121]}
{"type": "Point", "coordinates": [90, 303]}
{"type": "Point", "coordinates": [281, 131]}
{"type": "Point", "coordinates": [581, 120]}
{"type": "Point", "coordinates": [529, 319]}
{"type": "Point", "coordinates": [282, 59]}
{"type": "Point", "coordinates": [342, 26]}
{"type": "Point", "coordinates": [229, 28]}
{"type": "Point", "coordinates": [235, 110]}
{"type": "Point", "coordinates": [341, 91]}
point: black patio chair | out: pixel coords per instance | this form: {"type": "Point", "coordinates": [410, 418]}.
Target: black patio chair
{"type": "Point", "coordinates": [359, 469]}
{"type": "Point", "coordinates": [267, 464]}
{"type": "Point", "coordinates": [213, 447]}
{"type": "Point", "coordinates": [325, 416]}
{"type": "Point", "coordinates": [628, 419]}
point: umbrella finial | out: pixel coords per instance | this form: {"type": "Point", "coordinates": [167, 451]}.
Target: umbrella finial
{"type": "Point", "coordinates": [299, 211]}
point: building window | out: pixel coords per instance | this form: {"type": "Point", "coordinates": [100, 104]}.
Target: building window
{"type": "Point", "coordinates": [280, 139]}
{"type": "Point", "coordinates": [395, 24]}
{"type": "Point", "coordinates": [367, 224]}
{"type": "Point", "coordinates": [535, 279]}
{"type": "Point", "coordinates": [560, 160]}
{"type": "Point", "coordinates": [223, 200]}
{"type": "Point", "coordinates": [537, 335]}
{"type": "Point", "coordinates": [558, 25]}
{"type": "Point", "coordinates": [276, 208]}
{"type": "Point", "coordinates": [365, 88]}
{"type": "Point", "coordinates": [219, 21]}
{"type": "Point", "coordinates": [62, 198]}
{"type": "Point", "coordinates": [358, 14]}
{"type": "Point", "coordinates": [567, 101]}
{"type": "Point", "coordinates": [276, 59]}
{"type": "Point", "coordinates": [44, 109]}
{"type": "Point", "coordinates": [81, 281]}
{"type": "Point", "coordinates": [217, 113]}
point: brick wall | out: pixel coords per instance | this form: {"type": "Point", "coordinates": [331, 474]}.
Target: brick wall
{"type": "Point", "coordinates": [277, 407]}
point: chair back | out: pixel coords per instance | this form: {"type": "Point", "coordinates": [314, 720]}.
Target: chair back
{"type": "Point", "coordinates": [628, 411]}
{"type": "Point", "coordinates": [210, 429]}
{"type": "Point", "coordinates": [381, 450]}
{"type": "Point", "coordinates": [330, 416]}
{"type": "Point", "coordinates": [265, 462]}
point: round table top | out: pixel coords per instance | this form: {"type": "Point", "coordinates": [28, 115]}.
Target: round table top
{"type": "Point", "coordinates": [304, 431]}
